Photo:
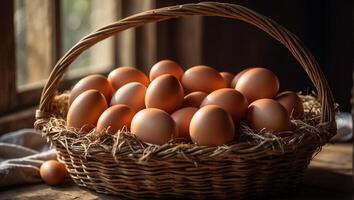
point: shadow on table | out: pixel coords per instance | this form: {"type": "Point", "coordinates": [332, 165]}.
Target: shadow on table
{"type": "Point", "coordinates": [323, 184]}
{"type": "Point", "coordinates": [318, 183]}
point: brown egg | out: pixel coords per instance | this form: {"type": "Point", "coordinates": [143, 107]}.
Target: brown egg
{"type": "Point", "coordinates": [124, 75]}
{"type": "Point", "coordinates": [154, 126]}
{"type": "Point", "coordinates": [230, 100]}
{"type": "Point", "coordinates": [165, 93]}
{"type": "Point", "coordinates": [182, 118]}
{"type": "Point", "coordinates": [292, 103]}
{"type": "Point", "coordinates": [258, 83]}
{"type": "Point", "coordinates": [228, 77]}
{"type": "Point", "coordinates": [166, 67]}
{"type": "Point", "coordinates": [194, 99]}
{"type": "Point", "coordinates": [115, 118]}
{"type": "Point", "coordinates": [132, 95]}
{"type": "Point", "coordinates": [52, 172]}
{"type": "Point", "coordinates": [268, 114]}
{"type": "Point", "coordinates": [238, 75]}
{"type": "Point", "coordinates": [86, 109]}
{"type": "Point", "coordinates": [202, 78]}
{"type": "Point", "coordinates": [94, 82]}
{"type": "Point", "coordinates": [211, 126]}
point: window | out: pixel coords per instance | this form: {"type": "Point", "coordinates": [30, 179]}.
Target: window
{"type": "Point", "coordinates": [33, 37]}
{"type": "Point", "coordinates": [81, 17]}
{"type": "Point", "coordinates": [41, 29]}
{"type": "Point", "coordinates": [40, 32]}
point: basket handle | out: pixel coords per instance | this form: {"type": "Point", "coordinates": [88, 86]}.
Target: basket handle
{"type": "Point", "coordinates": [278, 32]}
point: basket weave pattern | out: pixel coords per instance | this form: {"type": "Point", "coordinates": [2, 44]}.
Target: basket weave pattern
{"type": "Point", "coordinates": [123, 165]}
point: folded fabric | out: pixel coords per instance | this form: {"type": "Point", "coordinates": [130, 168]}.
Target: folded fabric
{"type": "Point", "coordinates": [344, 122]}
{"type": "Point", "coordinates": [21, 154]}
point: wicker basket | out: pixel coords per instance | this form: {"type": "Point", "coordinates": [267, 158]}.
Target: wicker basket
{"type": "Point", "coordinates": [122, 165]}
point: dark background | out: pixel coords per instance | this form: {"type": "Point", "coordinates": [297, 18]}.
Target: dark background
{"type": "Point", "coordinates": [325, 27]}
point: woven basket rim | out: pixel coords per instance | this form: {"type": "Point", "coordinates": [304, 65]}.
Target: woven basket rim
{"type": "Point", "coordinates": [126, 144]}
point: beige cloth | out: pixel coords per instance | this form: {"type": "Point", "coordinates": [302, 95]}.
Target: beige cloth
{"type": "Point", "coordinates": [21, 154]}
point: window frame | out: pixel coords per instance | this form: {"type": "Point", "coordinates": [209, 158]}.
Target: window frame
{"type": "Point", "coordinates": [18, 104]}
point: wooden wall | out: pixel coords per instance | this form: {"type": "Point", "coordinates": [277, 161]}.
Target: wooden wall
{"type": "Point", "coordinates": [228, 45]}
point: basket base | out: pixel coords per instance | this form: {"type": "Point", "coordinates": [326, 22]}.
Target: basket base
{"type": "Point", "coordinates": [276, 178]}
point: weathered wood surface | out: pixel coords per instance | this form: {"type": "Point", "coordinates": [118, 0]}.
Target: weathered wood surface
{"type": "Point", "coordinates": [7, 58]}
{"type": "Point", "coordinates": [328, 177]}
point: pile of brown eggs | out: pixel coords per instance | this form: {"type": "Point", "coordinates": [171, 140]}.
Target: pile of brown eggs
{"type": "Point", "coordinates": [200, 105]}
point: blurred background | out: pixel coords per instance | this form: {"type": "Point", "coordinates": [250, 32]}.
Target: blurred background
{"type": "Point", "coordinates": [37, 33]}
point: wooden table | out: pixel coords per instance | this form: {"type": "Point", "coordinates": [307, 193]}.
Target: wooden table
{"type": "Point", "coordinates": [330, 176]}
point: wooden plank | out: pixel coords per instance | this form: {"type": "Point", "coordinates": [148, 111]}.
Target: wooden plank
{"type": "Point", "coordinates": [24, 116]}
{"type": "Point", "coordinates": [188, 41]}
{"type": "Point", "coordinates": [180, 39]}
{"type": "Point", "coordinates": [145, 40]}
{"type": "Point", "coordinates": [17, 120]}
{"type": "Point", "coordinates": [118, 13]}
{"type": "Point", "coordinates": [166, 32]}
{"type": "Point", "coordinates": [336, 158]}
{"type": "Point", "coordinates": [7, 58]}
{"type": "Point", "coordinates": [125, 41]}
{"type": "Point", "coordinates": [338, 51]}
{"type": "Point", "coordinates": [57, 39]}
{"type": "Point", "coordinates": [136, 47]}
{"type": "Point", "coordinates": [352, 101]}
{"type": "Point", "coordinates": [332, 170]}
